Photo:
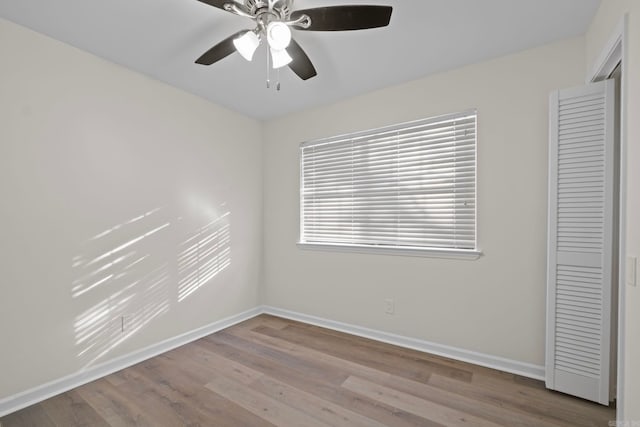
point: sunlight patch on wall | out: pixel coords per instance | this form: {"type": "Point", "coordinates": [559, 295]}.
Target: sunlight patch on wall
{"type": "Point", "coordinates": [203, 255]}
{"type": "Point", "coordinates": [123, 275]}
{"type": "Point", "coordinates": [107, 324]}
{"type": "Point", "coordinates": [96, 270]}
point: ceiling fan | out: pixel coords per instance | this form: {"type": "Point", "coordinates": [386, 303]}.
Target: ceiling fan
{"type": "Point", "coordinates": [274, 20]}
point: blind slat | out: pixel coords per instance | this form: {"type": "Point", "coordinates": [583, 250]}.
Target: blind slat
{"type": "Point", "coordinates": [410, 185]}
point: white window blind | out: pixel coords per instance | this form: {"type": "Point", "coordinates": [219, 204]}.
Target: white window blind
{"type": "Point", "coordinates": [407, 186]}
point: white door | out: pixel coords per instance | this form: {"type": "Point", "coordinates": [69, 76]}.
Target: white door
{"type": "Point", "coordinates": [580, 242]}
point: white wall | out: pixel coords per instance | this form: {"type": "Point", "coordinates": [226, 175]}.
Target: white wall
{"type": "Point", "coordinates": [85, 147]}
{"type": "Point", "coordinates": [495, 305]}
{"type": "Point", "coordinates": [604, 25]}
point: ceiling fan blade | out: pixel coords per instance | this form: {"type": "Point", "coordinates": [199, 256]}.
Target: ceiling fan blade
{"type": "Point", "coordinates": [221, 50]}
{"type": "Point", "coordinates": [345, 18]}
{"type": "Point", "coordinates": [301, 64]}
{"type": "Point", "coordinates": [216, 3]}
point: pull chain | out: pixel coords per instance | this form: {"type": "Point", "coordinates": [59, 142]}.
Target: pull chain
{"type": "Point", "coordinates": [268, 68]}
{"type": "Point", "coordinates": [278, 78]}
{"type": "Point", "coordinates": [269, 72]}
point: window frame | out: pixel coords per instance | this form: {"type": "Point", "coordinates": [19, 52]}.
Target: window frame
{"type": "Point", "coordinates": [431, 252]}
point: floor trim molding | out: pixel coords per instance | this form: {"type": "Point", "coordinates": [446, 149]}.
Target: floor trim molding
{"type": "Point", "coordinates": [502, 364]}
{"type": "Point", "coordinates": [37, 394]}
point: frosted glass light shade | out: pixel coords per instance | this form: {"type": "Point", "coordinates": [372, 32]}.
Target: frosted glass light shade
{"type": "Point", "coordinates": [247, 44]}
{"type": "Point", "coordinates": [278, 35]}
{"type": "Point", "coordinates": [280, 58]}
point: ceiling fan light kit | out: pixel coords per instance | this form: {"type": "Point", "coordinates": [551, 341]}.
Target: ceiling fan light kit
{"type": "Point", "coordinates": [278, 35]}
{"type": "Point", "coordinates": [280, 58]}
{"type": "Point", "coordinates": [247, 44]}
{"type": "Point", "coordinates": [274, 20]}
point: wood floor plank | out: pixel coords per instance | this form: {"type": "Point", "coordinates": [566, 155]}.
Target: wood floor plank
{"type": "Point", "coordinates": [71, 410]}
{"type": "Point", "coordinates": [265, 320]}
{"type": "Point", "coordinates": [305, 353]}
{"type": "Point", "coordinates": [187, 386]}
{"type": "Point", "coordinates": [535, 391]}
{"type": "Point", "coordinates": [114, 407]}
{"type": "Point", "coordinates": [342, 347]}
{"type": "Point", "coordinates": [328, 412]}
{"type": "Point", "coordinates": [155, 406]}
{"type": "Point", "coordinates": [305, 368]}
{"type": "Point", "coordinates": [167, 408]}
{"type": "Point", "coordinates": [167, 392]}
{"type": "Point", "coordinates": [262, 405]}
{"type": "Point", "coordinates": [219, 365]}
{"type": "Point", "coordinates": [493, 412]}
{"type": "Point", "coordinates": [394, 351]}
{"type": "Point", "coordinates": [591, 414]}
{"type": "Point", "coordinates": [208, 364]}
{"type": "Point", "coordinates": [496, 413]}
{"type": "Point", "coordinates": [271, 371]}
{"type": "Point", "coordinates": [329, 391]}
{"type": "Point", "coordinates": [33, 416]}
{"type": "Point", "coordinates": [424, 408]}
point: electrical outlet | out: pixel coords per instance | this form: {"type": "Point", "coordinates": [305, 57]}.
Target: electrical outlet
{"type": "Point", "coordinates": [389, 306]}
{"type": "Point", "coordinates": [125, 321]}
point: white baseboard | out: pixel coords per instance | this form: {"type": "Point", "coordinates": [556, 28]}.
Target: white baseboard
{"type": "Point", "coordinates": [502, 364]}
{"type": "Point", "coordinates": [37, 394]}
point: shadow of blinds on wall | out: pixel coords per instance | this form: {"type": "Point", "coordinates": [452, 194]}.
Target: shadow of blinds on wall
{"type": "Point", "coordinates": [579, 277]}
{"type": "Point", "coordinates": [406, 186]}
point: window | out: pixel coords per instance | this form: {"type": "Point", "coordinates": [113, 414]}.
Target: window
{"type": "Point", "coordinates": [409, 187]}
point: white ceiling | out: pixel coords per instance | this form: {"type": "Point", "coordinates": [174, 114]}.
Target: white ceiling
{"type": "Point", "coordinates": [162, 38]}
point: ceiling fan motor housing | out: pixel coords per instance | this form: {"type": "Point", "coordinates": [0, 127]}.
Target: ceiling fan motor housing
{"type": "Point", "coordinates": [281, 9]}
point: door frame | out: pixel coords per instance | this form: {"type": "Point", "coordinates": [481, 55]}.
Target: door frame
{"type": "Point", "coordinates": [614, 52]}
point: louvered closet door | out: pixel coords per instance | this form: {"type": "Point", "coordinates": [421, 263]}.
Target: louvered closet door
{"type": "Point", "coordinates": [581, 173]}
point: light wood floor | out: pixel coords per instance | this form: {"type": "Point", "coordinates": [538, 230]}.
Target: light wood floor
{"type": "Point", "coordinates": [270, 371]}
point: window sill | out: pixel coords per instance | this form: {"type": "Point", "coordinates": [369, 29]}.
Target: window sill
{"type": "Point", "coordinates": [466, 254]}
